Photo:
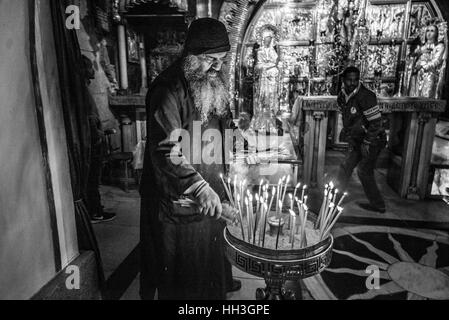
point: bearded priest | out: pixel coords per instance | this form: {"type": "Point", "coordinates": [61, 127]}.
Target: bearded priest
{"type": "Point", "coordinates": [181, 241]}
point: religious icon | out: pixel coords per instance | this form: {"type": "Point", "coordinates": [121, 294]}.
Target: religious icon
{"type": "Point", "coordinates": [267, 70]}
{"type": "Point", "coordinates": [133, 46]}
{"type": "Point", "coordinates": [426, 68]}
{"type": "Point", "coordinates": [266, 89]}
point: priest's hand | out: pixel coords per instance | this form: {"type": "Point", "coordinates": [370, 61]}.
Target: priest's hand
{"type": "Point", "coordinates": [209, 202]}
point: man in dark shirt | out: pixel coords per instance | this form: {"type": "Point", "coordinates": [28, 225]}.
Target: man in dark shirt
{"type": "Point", "coordinates": [363, 130]}
{"type": "Point", "coordinates": [183, 247]}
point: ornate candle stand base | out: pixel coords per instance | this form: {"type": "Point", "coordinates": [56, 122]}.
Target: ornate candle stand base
{"type": "Point", "coordinates": [275, 290]}
{"type": "Point", "coordinates": [278, 266]}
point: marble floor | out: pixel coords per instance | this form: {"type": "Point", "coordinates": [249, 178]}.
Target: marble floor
{"type": "Point", "coordinates": [391, 235]}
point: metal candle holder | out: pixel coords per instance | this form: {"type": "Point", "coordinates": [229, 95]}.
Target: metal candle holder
{"type": "Point", "coordinates": [278, 266]}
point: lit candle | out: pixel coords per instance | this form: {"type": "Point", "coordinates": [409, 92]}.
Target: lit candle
{"type": "Point", "coordinates": [336, 195]}
{"type": "Point", "coordinates": [306, 214]}
{"type": "Point", "coordinates": [323, 205]}
{"type": "Point", "coordinates": [292, 230]}
{"type": "Point", "coordinates": [328, 230]}
{"type": "Point", "coordinates": [257, 202]}
{"type": "Point", "coordinates": [296, 189]}
{"type": "Point", "coordinates": [285, 188]}
{"type": "Point", "coordinates": [240, 216]}
{"type": "Point", "coordinates": [302, 195]}
{"type": "Point", "coordinates": [226, 189]}
{"type": "Point", "coordinates": [298, 203]}
{"type": "Point", "coordinates": [318, 221]}
{"type": "Point", "coordinates": [264, 225]}
{"type": "Point", "coordinates": [260, 186]}
{"type": "Point", "coordinates": [341, 199]}
{"type": "Point", "coordinates": [279, 227]}
{"type": "Point", "coordinates": [251, 213]}
{"type": "Point", "coordinates": [230, 190]}
{"type": "Point", "coordinates": [261, 220]}
{"type": "Point", "coordinates": [278, 196]}
{"type": "Point", "coordinates": [326, 208]}
{"type": "Point", "coordinates": [301, 222]}
{"type": "Point", "coordinates": [242, 193]}
{"type": "Point", "coordinates": [292, 206]}
{"type": "Point", "coordinates": [235, 188]}
{"type": "Point", "coordinates": [248, 219]}
{"type": "Point", "coordinates": [273, 192]}
{"type": "Point", "coordinates": [328, 217]}
{"type": "Point", "coordinates": [280, 207]}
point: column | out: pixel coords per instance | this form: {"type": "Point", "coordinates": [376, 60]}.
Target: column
{"type": "Point", "coordinates": [143, 66]}
{"type": "Point", "coordinates": [315, 148]}
{"type": "Point", "coordinates": [421, 157]}
{"type": "Point", "coordinates": [123, 63]}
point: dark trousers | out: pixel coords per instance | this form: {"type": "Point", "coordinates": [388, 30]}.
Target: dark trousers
{"type": "Point", "coordinates": [93, 198]}
{"type": "Point", "coordinates": [365, 171]}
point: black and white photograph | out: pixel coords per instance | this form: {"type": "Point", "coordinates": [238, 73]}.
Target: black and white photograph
{"type": "Point", "coordinates": [235, 151]}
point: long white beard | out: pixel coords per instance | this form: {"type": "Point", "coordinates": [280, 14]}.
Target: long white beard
{"type": "Point", "coordinates": [209, 92]}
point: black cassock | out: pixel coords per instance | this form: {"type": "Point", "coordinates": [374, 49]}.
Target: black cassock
{"type": "Point", "coordinates": [182, 251]}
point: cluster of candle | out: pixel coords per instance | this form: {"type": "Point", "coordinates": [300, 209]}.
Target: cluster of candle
{"type": "Point", "coordinates": [256, 215]}
{"type": "Point", "coordinates": [330, 210]}
{"type": "Point", "coordinates": [254, 211]}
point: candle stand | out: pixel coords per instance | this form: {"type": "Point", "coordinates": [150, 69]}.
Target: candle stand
{"type": "Point", "coordinates": [278, 266]}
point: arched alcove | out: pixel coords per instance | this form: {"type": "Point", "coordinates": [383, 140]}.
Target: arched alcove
{"type": "Point", "coordinates": [318, 38]}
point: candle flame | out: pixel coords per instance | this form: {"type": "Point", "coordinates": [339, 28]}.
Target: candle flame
{"type": "Point", "coordinates": [306, 207]}
{"type": "Point", "coordinates": [290, 196]}
{"type": "Point", "coordinates": [298, 185]}
{"type": "Point", "coordinates": [292, 213]}
{"type": "Point", "coordinates": [331, 184]}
